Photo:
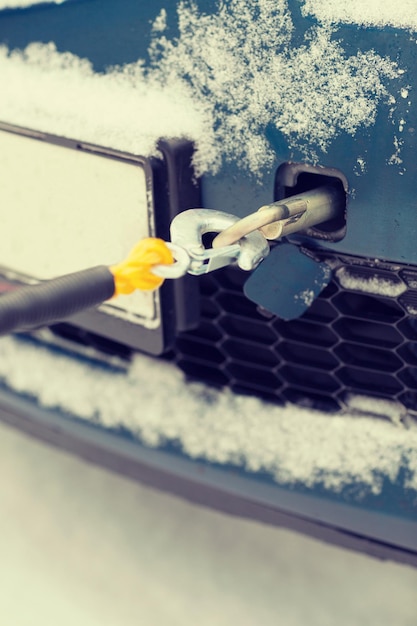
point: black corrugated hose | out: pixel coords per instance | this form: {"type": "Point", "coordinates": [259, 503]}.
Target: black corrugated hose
{"type": "Point", "coordinates": [32, 306]}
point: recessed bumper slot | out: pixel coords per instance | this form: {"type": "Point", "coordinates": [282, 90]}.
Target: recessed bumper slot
{"type": "Point", "coordinates": [293, 179]}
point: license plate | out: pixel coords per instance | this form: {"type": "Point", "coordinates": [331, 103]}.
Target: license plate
{"type": "Point", "coordinates": [67, 206]}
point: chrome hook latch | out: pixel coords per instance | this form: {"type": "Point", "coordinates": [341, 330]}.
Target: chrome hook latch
{"type": "Point", "coordinates": [188, 228]}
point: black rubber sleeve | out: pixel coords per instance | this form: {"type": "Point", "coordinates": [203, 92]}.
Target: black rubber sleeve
{"type": "Point", "coordinates": [54, 300]}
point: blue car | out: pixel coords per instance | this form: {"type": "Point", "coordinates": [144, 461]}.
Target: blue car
{"type": "Point", "coordinates": [271, 144]}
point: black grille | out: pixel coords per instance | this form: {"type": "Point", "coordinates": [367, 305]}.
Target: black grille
{"type": "Point", "coordinates": [350, 341]}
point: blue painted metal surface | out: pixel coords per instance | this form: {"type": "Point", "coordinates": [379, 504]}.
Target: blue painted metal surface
{"type": "Point", "coordinates": [382, 205]}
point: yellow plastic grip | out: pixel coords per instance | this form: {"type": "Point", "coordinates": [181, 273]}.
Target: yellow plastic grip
{"type": "Point", "coordinates": [135, 271]}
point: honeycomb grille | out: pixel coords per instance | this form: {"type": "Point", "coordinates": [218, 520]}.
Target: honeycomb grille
{"type": "Point", "coordinates": [358, 337]}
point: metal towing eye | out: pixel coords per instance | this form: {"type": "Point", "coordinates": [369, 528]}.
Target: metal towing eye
{"type": "Point", "coordinates": [187, 230]}
{"type": "Point", "coordinates": [243, 240]}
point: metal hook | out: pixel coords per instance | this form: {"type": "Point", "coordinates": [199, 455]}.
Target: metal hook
{"type": "Point", "coordinates": [180, 266]}
{"type": "Point", "coordinates": [188, 228]}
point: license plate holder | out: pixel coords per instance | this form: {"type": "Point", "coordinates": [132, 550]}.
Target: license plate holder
{"type": "Point", "coordinates": [68, 205]}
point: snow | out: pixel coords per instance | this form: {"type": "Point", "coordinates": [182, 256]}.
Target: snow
{"type": "Point", "coordinates": [307, 297]}
{"type": "Point", "coordinates": [154, 402]}
{"type": "Point", "coordinates": [360, 167]}
{"type": "Point", "coordinates": [376, 406]}
{"type": "Point", "coordinates": [61, 94]}
{"type": "Point", "coordinates": [228, 77]}
{"type": "Point", "coordinates": [379, 13]}
{"type": "Point", "coordinates": [19, 4]}
{"type": "Point", "coordinates": [395, 158]}
{"type": "Point", "coordinates": [83, 546]}
{"type": "Point", "coordinates": [373, 284]}
{"type": "Point", "coordinates": [242, 61]}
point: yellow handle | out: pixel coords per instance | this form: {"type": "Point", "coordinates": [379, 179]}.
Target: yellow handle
{"type": "Point", "coordinates": [135, 271]}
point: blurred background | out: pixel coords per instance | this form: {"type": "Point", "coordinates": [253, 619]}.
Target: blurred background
{"type": "Point", "coordinates": [81, 546]}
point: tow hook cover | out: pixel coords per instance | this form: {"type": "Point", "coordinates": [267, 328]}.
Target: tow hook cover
{"type": "Point", "coordinates": [287, 282]}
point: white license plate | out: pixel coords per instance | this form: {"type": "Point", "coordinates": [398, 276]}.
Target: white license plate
{"type": "Point", "coordinates": [65, 209]}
